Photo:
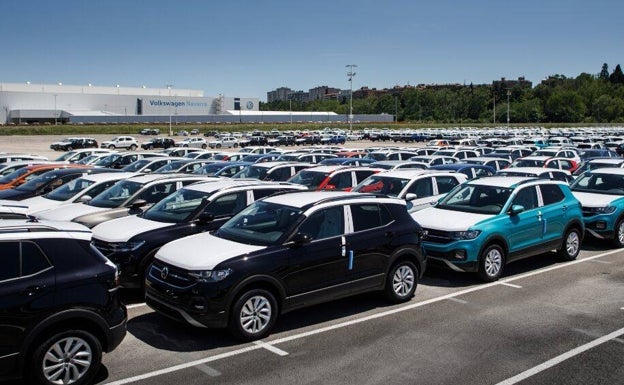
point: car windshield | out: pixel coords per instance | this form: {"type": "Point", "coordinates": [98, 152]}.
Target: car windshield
{"type": "Point", "coordinates": [254, 172]}
{"type": "Point", "coordinates": [474, 198]}
{"type": "Point", "coordinates": [599, 183]}
{"type": "Point", "coordinates": [209, 169]}
{"type": "Point", "coordinates": [88, 159]}
{"type": "Point", "coordinates": [107, 160]}
{"type": "Point", "coordinates": [136, 165]}
{"type": "Point", "coordinates": [66, 156]}
{"type": "Point", "coordinates": [69, 189]}
{"type": "Point", "coordinates": [171, 167]}
{"type": "Point", "coordinates": [528, 163]}
{"type": "Point", "coordinates": [37, 181]}
{"type": "Point", "coordinates": [13, 175]}
{"type": "Point", "coordinates": [261, 223]}
{"type": "Point", "coordinates": [391, 186]}
{"type": "Point", "coordinates": [116, 195]}
{"type": "Point", "coordinates": [311, 179]}
{"type": "Point", "coordinates": [516, 173]}
{"type": "Point", "coordinates": [177, 207]}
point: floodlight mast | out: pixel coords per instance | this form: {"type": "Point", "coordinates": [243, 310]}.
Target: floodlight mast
{"type": "Point", "coordinates": [351, 74]}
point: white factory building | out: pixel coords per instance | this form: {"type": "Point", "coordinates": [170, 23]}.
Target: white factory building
{"type": "Point", "coordinates": [26, 103]}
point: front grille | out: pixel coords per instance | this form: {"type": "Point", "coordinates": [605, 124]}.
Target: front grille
{"type": "Point", "coordinates": [175, 276]}
{"type": "Point", "coordinates": [588, 212]}
{"type": "Point", "coordinates": [102, 246]}
{"type": "Point", "coordinates": [436, 236]}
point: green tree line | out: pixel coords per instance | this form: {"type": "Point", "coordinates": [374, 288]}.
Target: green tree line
{"type": "Point", "coordinates": [586, 98]}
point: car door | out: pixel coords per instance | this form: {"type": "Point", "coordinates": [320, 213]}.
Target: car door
{"type": "Point", "coordinates": [368, 246]}
{"type": "Point", "coordinates": [553, 211]}
{"type": "Point", "coordinates": [318, 270]}
{"type": "Point", "coordinates": [26, 286]}
{"type": "Point", "coordinates": [423, 189]}
{"type": "Point", "coordinates": [524, 229]}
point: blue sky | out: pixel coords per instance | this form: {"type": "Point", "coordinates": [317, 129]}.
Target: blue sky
{"type": "Point", "coordinates": [245, 48]}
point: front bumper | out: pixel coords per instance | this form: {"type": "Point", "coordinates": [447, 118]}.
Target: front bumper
{"type": "Point", "coordinates": [601, 226]}
{"type": "Point", "coordinates": [457, 255]}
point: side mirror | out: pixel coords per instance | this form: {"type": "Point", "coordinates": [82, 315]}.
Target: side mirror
{"type": "Point", "coordinates": [85, 198]}
{"type": "Point", "coordinates": [410, 197]}
{"type": "Point", "coordinates": [205, 217]}
{"type": "Point", "coordinates": [300, 239]}
{"type": "Point", "coordinates": [136, 205]}
{"type": "Point", "coordinates": [516, 209]}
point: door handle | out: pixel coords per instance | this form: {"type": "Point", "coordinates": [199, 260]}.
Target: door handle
{"type": "Point", "coordinates": [32, 290]}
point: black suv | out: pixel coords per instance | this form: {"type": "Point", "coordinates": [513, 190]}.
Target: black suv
{"type": "Point", "coordinates": [74, 143]}
{"type": "Point", "coordinates": [158, 143]}
{"type": "Point", "coordinates": [131, 242]}
{"type": "Point", "coordinates": [285, 252]}
{"type": "Point", "coordinates": [60, 308]}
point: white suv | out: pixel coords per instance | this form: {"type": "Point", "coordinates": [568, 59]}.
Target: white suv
{"type": "Point", "coordinates": [128, 142]}
{"type": "Point", "coordinates": [225, 142]}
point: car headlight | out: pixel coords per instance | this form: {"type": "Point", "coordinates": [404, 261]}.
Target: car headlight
{"type": "Point", "coordinates": [601, 210]}
{"type": "Point", "coordinates": [463, 235]}
{"type": "Point", "coordinates": [124, 246]}
{"type": "Point", "coordinates": [210, 275]}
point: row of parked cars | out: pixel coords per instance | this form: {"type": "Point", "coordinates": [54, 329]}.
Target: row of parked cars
{"type": "Point", "coordinates": [214, 251]}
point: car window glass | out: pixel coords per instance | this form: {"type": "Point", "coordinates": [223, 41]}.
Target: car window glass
{"type": "Point", "coordinates": [422, 188]}
{"type": "Point", "coordinates": [324, 224]}
{"type": "Point", "coordinates": [33, 260]}
{"type": "Point", "coordinates": [227, 205]}
{"type": "Point", "coordinates": [341, 181]}
{"type": "Point", "coordinates": [526, 197]}
{"type": "Point", "coordinates": [262, 193]}
{"type": "Point", "coordinates": [368, 216]}
{"type": "Point", "coordinates": [10, 259]}
{"type": "Point", "coordinates": [551, 193]}
{"type": "Point", "coordinates": [157, 192]}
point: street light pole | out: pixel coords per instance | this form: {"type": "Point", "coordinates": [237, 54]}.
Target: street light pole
{"type": "Point", "coordinates": [55, 119]}
{"type": "Point", "coordinates": [351, 74]}
{"type": "Point", "coordinates": [169, 88]}
{"type": "Point", "coordinates": [508, 95]}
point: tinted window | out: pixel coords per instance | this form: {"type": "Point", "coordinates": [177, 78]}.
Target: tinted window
{"type": "Point", "coordinates": [9, 257]}
{"type": "Point", "coordinates": [551, 194]}
{"type": "Point", "coordinates": [33, 261]}
{"type": "Point", "coordinates": [157, 192]}
{"type": "Point", "coordinates": [526, 197]}
{"type": "Point", "coordinates": [324, 224]}
{"type": "Point", "coordinates": [228, 205]}
{"type": "Point", "coordinates": [259, 194]}
{"type": "Point", "coordinates": [445, 183]}
{"type": "Point", "coordinates": [368, 216]}
{"type": "Point", "coordinates": [422, 188]}
{"type": "Point", "coordinates": [341, 181]}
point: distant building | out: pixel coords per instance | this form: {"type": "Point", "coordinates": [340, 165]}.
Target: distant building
{"type": "Point", "coordinates": [279, 94]}
{"type": "Point", "coordinates": [323, 93]}
{"type": "Point", "coordinates": [504, 84]}
{"type": "Point", "coordinates": [299, 96]}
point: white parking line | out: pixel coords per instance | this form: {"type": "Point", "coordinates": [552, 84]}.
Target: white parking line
{"type": "Point", "coordinates": [135, 305]}
{"type": "Point", "coordinates": [410, 306]}
{"type": "Point", "coordinates": [603, 262]}
{"type": "Point", "coordinates": [271, 348]}
{"type": "Point", "coordinates": [458, 300]}
{"type": "Point", "coordinates": [511, 285]}
{"type": "Point", "coordinates": [559, 359]}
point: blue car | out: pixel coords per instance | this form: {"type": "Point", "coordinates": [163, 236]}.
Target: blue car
{"type": "Point", "coordinates": [483, 224]}
{"type": "Point", "coordinates": [601, 192]}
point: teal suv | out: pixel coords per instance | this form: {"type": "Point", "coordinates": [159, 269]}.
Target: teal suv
{"type": "Point", "coordinates": [601, 192]}
{"type": "Point", "coordinates": [482, 225]}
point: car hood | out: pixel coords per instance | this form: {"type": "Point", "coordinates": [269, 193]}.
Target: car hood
{"type": "Point", "coordinates": [202, 251]}
{"type": "Point", "coordinates": [32, 205]}
{"type": "Point", "coordinates": [594, 199]}
{"type": "Point", "coordinates": [68, 212]}
{"type": "Point", "coordinates": [447, 220]}
{"type": "Point", "coordinates": [122, 229]}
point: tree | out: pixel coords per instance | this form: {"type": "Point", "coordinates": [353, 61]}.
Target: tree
{"type": "Point", "coordinates": [604, 73]}
{"type": "Point", "coordinates": [617, 77]}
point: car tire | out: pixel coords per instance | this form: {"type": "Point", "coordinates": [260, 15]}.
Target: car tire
{"type": "Point", "coordinates": [69, 148]}
{"type": "Point", "coordinates": [133, 147]}
{"type": "Point", "coordinates": [570, 245]}
{"type": "Point", "coordinates": [491, 263]}
{"type": "Point", "coordinates": [253, 315]}
{"type": "Point", "coordinates": [61, 345]}
{"type": "Point", "coordinates": [218, 145]}
{"type": "Point", "coordinates": [618, 236]}
{"type": "Point", "coordinates": [401, 282]}
{"type": "Point", "coordinates": [111, 147]}
{"type": "Point", "coordinates": [203, 146]}
{"type": "Point", "coordinates": [235, 145]}
{"type": "Point", "coordinates": [150, 147]}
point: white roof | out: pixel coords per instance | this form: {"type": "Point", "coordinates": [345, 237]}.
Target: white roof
{"type": "Point", "coordinates": [608, 170]}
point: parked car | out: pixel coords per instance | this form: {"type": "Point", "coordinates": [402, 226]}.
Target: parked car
{"type": "Point", "coordinates": [131, 242]}
{"type": "Point", "coordinates": [146, 165]}
{"type": "Point", "coordinates": [127, 142]}
{"type": "Point", "coordinates": [483, 224]}
{"type": "Point", "coordinates": [75, 156]}
{"type": "Point", "coordinates": [150, 131]}
{"type": "Point", "coordinates": [122, 159]}
{"type": "Point", "coordinates": [60, 307]}
{"type": "Point", "coordinates": [341, 178]}
{"type": "Point", "coordinates": [193, 142]}
{"type": "Point", "coordinates": [6, 158]}
{"type": "Point", "coordinates": [158, 143]}
{"type": "Point", "coordinates": [272, 171]}
{"type": "Point", "coordinates": [472, 171]}
{"type": "Point", "coordinates": [286, 252]}
{"type": "Point", "coordinates": [125, 197]}
{"type": "Point", "coordinates": [81, 189]}
{"type": "Point", "coordinates": [25, 174]}
{"type": "Point", "coordinates": [70, 144]}
{"type": "Point", "coordinates": [537, 172]}
{"type": "Point", "coordinates": [224, 169]}
{"type": "Point", "coordinates": [420, 188]}
{"type": "Point", "coordinates": [601, 192]}
{"type": "Point", "coordinates": [224, 142]}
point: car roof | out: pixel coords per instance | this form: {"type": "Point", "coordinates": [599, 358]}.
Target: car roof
{"type": "Point", "coordinates": [216, 184]}
{"type": "Point", "coordinates": [607, 160]}
{"type": "Point", "coordinates": [306, 199]}
{"type": "Point", "coordinates": [532, 170]}
{"type": "Point", "coordinates": [535, 157]}
{"type": "Point", "coordinates": [34, 229]}
{"type": "Point", "coordinates": [109, 175]}
{"type": "Point", "coordinates": [458, 166]}
{"type": "Point", "coordinates": [504, 181]}
{"type": "Point", "coordinates": [608, 170]}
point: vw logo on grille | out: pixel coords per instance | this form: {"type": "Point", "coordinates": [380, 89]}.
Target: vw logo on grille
{"type": "Point", "coordinates": [164, 273]}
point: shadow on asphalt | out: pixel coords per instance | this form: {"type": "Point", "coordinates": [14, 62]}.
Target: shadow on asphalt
{"type": "Point", "coordinates": [163, 333]}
